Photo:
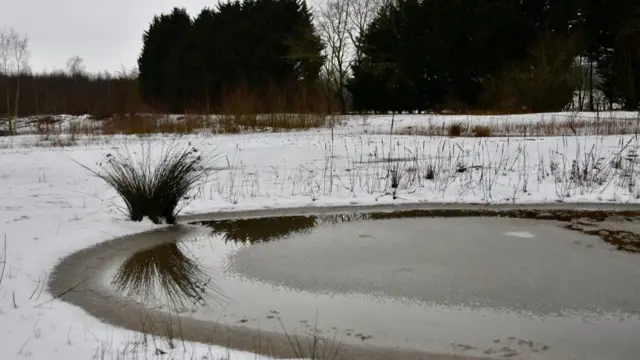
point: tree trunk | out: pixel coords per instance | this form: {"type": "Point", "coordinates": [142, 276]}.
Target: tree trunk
{"type": "Point", "coordinates": [591, 102]}
{"type": "Point", "coordinates": [343, 101]}
{"type": "Point", "coordinates": [9, 118]}
{"type": "Point", "coordinates": [580, 86]}
{"type": "Point", "coordinates": [15, 112]}
{"type": "Point", "coordinates": [35, 93]}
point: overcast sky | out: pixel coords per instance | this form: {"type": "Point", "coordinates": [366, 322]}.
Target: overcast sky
{"type": "Point", "coordinates": [105, 34]}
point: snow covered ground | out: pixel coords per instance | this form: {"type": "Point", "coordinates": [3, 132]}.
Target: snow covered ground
{"type": "Point", "coordinates": [50, 206]}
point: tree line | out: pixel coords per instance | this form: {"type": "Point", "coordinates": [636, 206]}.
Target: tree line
{"type": "Point", "coordinates": [59, 92]}
{"type": "Point", "coordinates": [364, 55]}
{"type": "Point", "coordinates": [267, 47]}
{"type": "Point", "coordinates": [71, 91]}
{"type": "Point", "coordinates": [399, 55]}
{"type": "Point", "coordinates": [527, 55]}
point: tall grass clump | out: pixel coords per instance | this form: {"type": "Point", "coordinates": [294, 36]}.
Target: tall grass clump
{"type": "Point", "coordinates": [481, 131]}
{"type": "Point", "coordinates": [158, 189]}
{"type": "Point", "coordinates": [456, 129]}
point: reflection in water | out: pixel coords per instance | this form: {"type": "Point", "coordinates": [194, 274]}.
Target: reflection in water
{"type": "Point", "coordinates": [167, 268]}
{"type": "Point", "coordinates": [250, 231]}
{"type": "Point", "coordinates": [256, 230]}
{"type": "Point", "coordinates": [259, 230]}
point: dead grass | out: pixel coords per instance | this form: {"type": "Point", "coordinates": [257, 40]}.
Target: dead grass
{"type": "Point", "coordinates": [455, 130]}
{"type": "Point", "coordinates": [154, 190]}
{"type": "Point", "coordinates": [49, 128]}
{"type": "Point", "coordinates": [566, 127]}
{"type": "Point", "coordinates": [150, 124]}
{"type": "Point", "coordinates": [316, 348]}
{"type": "Point", "coordinates": [240, 123]}
{"type": "Point", "coordinates": [481, 131]}
{"type": "Point", "coordinates": [61, 142]}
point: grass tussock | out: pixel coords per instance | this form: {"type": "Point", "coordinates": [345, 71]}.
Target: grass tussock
{"type": "Point", "coordinates": [154, 189]}
{"type": "Point", "coordinates": [455, 130]}
{"type": "Point", "coordinates": [481, 131]}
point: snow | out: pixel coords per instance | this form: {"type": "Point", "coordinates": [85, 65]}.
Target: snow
{"type": "Point", "coordinates": [52, 207]}
{"type": "Point", "coordinates": [521, 234]}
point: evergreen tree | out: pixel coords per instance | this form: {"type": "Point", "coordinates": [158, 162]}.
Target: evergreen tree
{"type": "Point", "coordinates": [610, 28]}
{"type": "Point", "coordinates": [260, 45]}
{"type": "Point", "coordinates": [161, 77]}
{"type": "Point", "coordinates": [421, 54]}
{"type": "Point", "coordinates": [418, 55]}
{"type": "Point", "coordinates": [414, 55]}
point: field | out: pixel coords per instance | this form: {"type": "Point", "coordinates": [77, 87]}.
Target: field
{"type": "Point", "coordinates": [52, 206]}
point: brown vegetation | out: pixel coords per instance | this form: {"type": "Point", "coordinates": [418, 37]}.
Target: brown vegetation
{"type": "Point", "coordinates": [52, 128]}
{"type": "Point", "coordinates": [565, 127]}
{"type": "Point", "coordinates": [481, 131]}
{"type": "Point", "coordinates": [61, 93]}
{"type": "Point", "coordinates": [455, 129]}
{"type": "Point", "coordinates": [104, 95]}
{"type": "Point", "coordinates": [115, 107]}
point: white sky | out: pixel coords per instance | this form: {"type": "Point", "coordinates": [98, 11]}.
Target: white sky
{"type": "Point", "coordinates": [106, 34]}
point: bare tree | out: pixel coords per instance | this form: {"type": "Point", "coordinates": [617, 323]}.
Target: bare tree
{"type": "Point", "coordinates": [360, 15]}
{"type": "Point", "coordinates": [341, 22]}
{"type": "Point", "coordinates": [75, 66]}
{"type": "Point", "coordinates": [127, 73]}
{"type": "Point", "coordinates": [14, 61]}
{"type": "Point", "coordinates": [333, 24]}
{"type": "Point", "coordinates": [6, 66]}
{"type": "Point", "coordinates": [20, 54]}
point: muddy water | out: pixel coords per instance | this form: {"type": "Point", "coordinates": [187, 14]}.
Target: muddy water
{"type": "Point", "coordinates": [475, 286]}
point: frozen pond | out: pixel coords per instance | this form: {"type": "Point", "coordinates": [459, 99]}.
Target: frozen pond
{"type": "Point", "coordinates": [492, 287]}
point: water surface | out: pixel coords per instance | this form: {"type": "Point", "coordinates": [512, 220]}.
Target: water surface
{"type": "Point", "coordinates": [495, 287]}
